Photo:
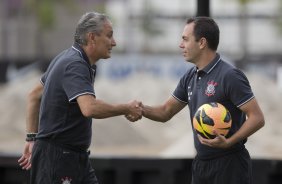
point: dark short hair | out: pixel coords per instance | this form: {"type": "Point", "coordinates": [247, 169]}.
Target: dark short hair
{"type": "Point", "coordinates": [206, 27]}
{"type": "Point", "coordinates": [89, 22]}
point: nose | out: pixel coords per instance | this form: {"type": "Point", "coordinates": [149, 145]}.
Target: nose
{"type": "Point", "coordinates": [113, 42]}
{"type": "Point", "coordinates": [181, 45]}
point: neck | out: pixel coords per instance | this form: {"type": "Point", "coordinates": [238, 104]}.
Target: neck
{"type": "Point", "coordinates": [88, 49]}
{"type": "Point", "coordinates": [205, 59]}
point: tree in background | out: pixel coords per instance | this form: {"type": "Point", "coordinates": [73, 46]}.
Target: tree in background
{"type": "Point", "coordinates": [243, 23]}
{"type": "Point", "coordinates": [44, 12]}
{"type": "Point", "coordinates": [149, 26]}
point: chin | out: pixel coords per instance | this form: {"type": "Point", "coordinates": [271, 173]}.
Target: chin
{"type": "Point", "coordinates": [187, 58]}
{"type": "Point", "coordinates": [107, 57]}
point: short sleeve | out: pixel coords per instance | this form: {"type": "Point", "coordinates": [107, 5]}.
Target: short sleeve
{"type": "Point", "coordinates": [43, 79]}
{"type": "Point", "coordinates": [44, 76]}
{"type": "Point", "coordinates": [77, 80]}
{"type": "Point", "coordinates": [238, 88]}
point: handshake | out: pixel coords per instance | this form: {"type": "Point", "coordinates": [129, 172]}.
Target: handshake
{"type": "Point", "coordinates": [135, 111]}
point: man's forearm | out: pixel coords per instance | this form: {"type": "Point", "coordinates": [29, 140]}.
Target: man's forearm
{"type": "Point", "coordinates": [98, 109]}
{"type": "Point", "coordinates": [155, 113]}
{"type": "Point", "coordinates": [103, 110]}
{"type": "Point", "coordinates": [33, 106]}
{"type": "Point", "coordinates": [32, 119]}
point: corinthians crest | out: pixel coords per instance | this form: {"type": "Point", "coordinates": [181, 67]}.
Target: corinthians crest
{"type": "Point", "coordinates": [66, 180]}
{"type": "Point", "coordinates": [210, 91]}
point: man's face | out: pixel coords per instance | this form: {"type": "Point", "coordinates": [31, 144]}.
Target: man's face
{"type": "Point", "coordinates": [105, 42]}
{"type": "Point", "coordinates": [190, 48]}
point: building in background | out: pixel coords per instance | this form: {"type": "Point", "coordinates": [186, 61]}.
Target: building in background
{"type": "Point", "coordinates": [141, 26]}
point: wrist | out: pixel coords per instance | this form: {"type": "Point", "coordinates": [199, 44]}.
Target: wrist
{"type": "Point", "coordinates": [145, 109]}
{"type": "Point", "coordinates": [30, 137]}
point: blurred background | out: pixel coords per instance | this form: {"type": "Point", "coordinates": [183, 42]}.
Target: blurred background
{"type": "Point", "coordinates": [145, 65]}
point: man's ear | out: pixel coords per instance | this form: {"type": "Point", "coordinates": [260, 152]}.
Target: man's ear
{"type": "Point", "coordinates": [91, 38]}
{"type": "Point", "coordinates": [203, 42]}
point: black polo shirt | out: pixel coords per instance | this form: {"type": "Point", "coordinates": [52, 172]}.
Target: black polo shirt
{"type": "Point", "coordinates": [217, 82]}
{"type": "Point", "coordinates": [69, 75]}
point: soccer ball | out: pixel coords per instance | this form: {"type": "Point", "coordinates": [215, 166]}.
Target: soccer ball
{"type": "Point", "coordinates": [212, 116]}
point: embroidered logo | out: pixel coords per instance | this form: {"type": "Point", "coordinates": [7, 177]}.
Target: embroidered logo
{"type": "Point", "coordinates": [210, 91]}
{"type": "Point", "coordinates": [66, 180]}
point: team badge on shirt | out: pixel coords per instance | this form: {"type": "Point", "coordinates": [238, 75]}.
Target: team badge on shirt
{"type": "Point", "coordinates": [210, 91]}
{"type": "Point", "coordinates": [66, 180]}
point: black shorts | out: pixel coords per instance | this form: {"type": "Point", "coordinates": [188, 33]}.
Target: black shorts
{"type": "Point", "coordinates": [52, 164]}
{"type": "Point", "coordinates": [235, 168]}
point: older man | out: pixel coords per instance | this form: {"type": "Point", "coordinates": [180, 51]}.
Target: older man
{"type": "Point", "coordinates": [61, 106]}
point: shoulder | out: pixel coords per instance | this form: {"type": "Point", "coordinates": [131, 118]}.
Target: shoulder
{"type": "Point", "coordinates": [229, 69]}
{"type": "Point", "coordinates": [76, 67]}
{"type": "Point", "coordinates": [233, 76]}
{"type": "Point", "coordinates": [72, 59]}
{"type": "Point", "coordinates": [226, 66]}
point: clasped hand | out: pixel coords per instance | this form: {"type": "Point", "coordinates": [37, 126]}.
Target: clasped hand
{"type": "Point", "coordinates": [135, 111]}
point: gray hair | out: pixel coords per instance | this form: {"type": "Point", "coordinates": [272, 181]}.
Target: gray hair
{"type": "Point", "coordinates": [89, 22]}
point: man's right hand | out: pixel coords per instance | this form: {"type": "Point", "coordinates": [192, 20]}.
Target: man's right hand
{"type": "Point", "coordinates": [135, 111]}
{"type": "Point", "coordinates": [25, 160]}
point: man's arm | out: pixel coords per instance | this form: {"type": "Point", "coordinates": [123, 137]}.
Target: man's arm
{"type": "Point", "coordinates": [33, 104]}
{"type": "Point", "coordinates": [255, 121]}
{"type": "Point", "coordinates": [94, 108]}
{"type": "Point", "coordinates": [165, 112]}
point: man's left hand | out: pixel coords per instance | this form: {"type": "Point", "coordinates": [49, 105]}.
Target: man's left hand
{"type": "Point", "coordinates": [218, 142]}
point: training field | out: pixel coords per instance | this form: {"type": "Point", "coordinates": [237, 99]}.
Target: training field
{"type": "Point", "coordinates": [152, 84]}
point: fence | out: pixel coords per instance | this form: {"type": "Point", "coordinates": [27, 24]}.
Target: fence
{"type": "Point", "coordinates": [142, 170]}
